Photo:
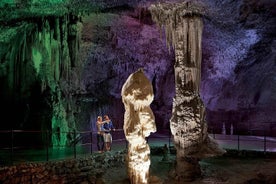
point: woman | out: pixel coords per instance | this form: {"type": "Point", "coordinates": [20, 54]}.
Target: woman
{"type": "Point", "coordinates": [100, 138]}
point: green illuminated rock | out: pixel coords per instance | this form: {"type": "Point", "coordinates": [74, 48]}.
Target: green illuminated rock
{"type": "Point", "coordinates": [39, 55]}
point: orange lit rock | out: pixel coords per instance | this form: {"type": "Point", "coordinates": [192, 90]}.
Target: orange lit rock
{"type": "Point", "coordinates": [139, 122]}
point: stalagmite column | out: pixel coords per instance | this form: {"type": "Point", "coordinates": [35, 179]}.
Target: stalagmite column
{"type": "Point", "coordinates": [183, 26]}
{"type": "Point", "coordinates": [139, 122]}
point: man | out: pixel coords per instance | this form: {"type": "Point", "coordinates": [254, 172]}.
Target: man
{"type": "Point", "coordinates": [108, 126]}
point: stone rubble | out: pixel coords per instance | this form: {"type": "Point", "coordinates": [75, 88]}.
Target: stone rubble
{"type": "Point", "coordinates": [89, 169]}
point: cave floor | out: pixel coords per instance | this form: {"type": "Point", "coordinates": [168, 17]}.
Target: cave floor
{"type": "Point", "coordinates": [215, 170]}
{"type": "Point", "coordinates": [239, 168]}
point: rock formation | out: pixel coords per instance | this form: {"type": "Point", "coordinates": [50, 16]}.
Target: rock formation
{"type": "Point", "coordinates": [39, 74]}
{"type": "Point", "coordinates": [49, 86]}
{"type": "Point", "coordinates": [139, 122]}
{"type": "Point", "coordinates": [183, 25]}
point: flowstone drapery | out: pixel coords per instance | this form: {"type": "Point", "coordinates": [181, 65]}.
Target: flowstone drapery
{"type": "Point", "coordinates": [139, 122]}
{"type": "Point", "coordinates": [183, 27]}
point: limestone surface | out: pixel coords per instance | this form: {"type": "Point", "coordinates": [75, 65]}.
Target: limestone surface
{"type": "Point", "coordinates": [184, 27]}
{"type": "Point", "coordinates": [139, 122]}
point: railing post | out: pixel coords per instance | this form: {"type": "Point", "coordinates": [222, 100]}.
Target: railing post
{"type": "Point", "coordinates": [238, 142]}
{"type": "Point", "coordinates": [170, 141]}
{"type": "Point", "coordinates": [12, 137]}
{"type": "Point", "coordinates": [47, 145]}
{"type": "Point", "coordinates": [91, 141]}
{"type": "Point", "coordinates": [264, 143]}
{"type": "Point", "coordinates": [75, 144]}
{"type": "Point", "coordinates": [214, 136]}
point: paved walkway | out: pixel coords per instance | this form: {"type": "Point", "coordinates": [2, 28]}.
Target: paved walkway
{"type": "Point", "coordinates": [256, 143]}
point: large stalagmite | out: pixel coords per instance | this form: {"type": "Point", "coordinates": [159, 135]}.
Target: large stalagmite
{"type": "Point", "coordinates": [139, 122]}
{"type": "Point", "coordinates": [183, 26]}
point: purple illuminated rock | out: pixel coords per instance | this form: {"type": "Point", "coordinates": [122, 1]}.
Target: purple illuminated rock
{"type": "Point", "coordinates": [183, 25]}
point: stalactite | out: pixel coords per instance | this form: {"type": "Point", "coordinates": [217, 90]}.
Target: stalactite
{"type": "Point", "coordinates": [37, 54]}
{"type": "Point", "coordinates": [183, 25]}
{"type": "Point", "coordinates": [57, 53]}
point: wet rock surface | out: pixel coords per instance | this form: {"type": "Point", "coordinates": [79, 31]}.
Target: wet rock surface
{"type": "Point", "coordinates": [239, 167]}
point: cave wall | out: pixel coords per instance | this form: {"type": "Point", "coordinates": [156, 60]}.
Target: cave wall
{"type": "Point", "coordinates": [46, 85]}
{"type": "Point", "coordinates": [239, 65]}
{"type": "Point", "coordinates": [116, 45]}
{"type": "Point", "coordinates": [37, 62]}
{"type": "Point", "coordinates": [237, 59]}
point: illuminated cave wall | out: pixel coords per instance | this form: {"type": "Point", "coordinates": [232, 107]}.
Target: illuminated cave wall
{"type": "Point", "coordinates": [238, 83]}
{"type": "Point", "coordinates": [118, 45]}
{"type": "Point", "coordinates": [37, 69]}
{"type": "Point", "coordinates": [6, 2]}
{"type": "Point", "coordinates": [237, 44]}
{"type": "Point", "coordinates": [42, 80]}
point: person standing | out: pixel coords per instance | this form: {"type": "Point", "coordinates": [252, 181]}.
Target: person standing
{"type": "Point", "coordinates": [100, 138]}
{"type": "Point", "coordinates": [108, 127]}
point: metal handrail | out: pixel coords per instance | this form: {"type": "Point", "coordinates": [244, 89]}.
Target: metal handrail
{"type": "Point", "coordinates": [13, 148]}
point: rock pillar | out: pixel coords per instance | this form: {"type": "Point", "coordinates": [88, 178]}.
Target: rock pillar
{"type": "Point", "coordinates": [183, 27]}
{"type": "Point", "coordinates": [139, 122]}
